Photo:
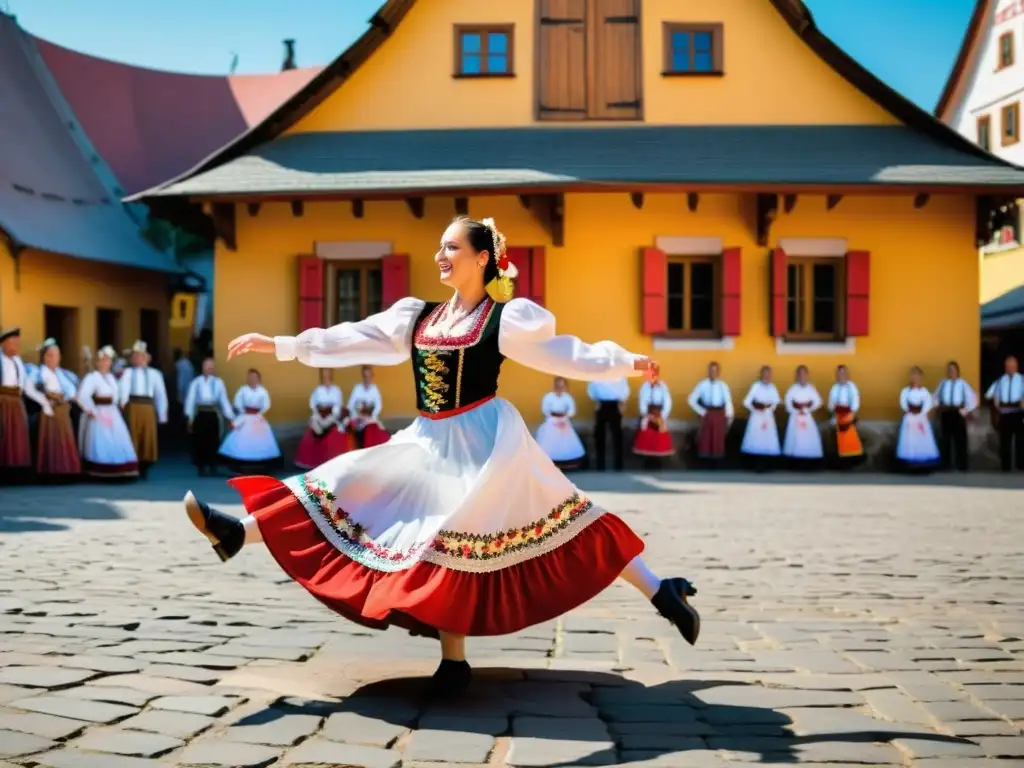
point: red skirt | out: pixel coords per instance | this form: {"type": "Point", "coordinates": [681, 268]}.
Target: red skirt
{"type": "Point", "coordinates": [57, 452]}
{"type": "Point", "coordinates": [315, 450]}
{"type": "Point", "coordinates": [374, 434]}
{"type": "Point", "coordinates": [711, 441]}
{"type": "Point", "coordinates": [15, 449]}
{"type": "Point", "coordinates": [428, 598]}
{"type": "Point", "coordinates": [653, 442]}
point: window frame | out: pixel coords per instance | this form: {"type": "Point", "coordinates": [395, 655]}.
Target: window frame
{"type": "Point", "coordinates": [687, 332]}
{"type": "Point", "coordinates": [807, 264]}
{"type": "Point", "coordinates": [483, 30]}
{"type": "Point", "coordinates": [1000, 64]}
{"type": "Point", "coordinates": [1014, 109]}
{"type": "Point", "coordinates": [331, 270]}
{"type": "Point", "coordinates": [717, 32]}
{"type": "Point", "coordinates": [985, 121]}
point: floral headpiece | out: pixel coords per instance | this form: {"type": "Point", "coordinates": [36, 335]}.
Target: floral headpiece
{"type": "Point", "coordinates": [107, 351]}
{"type": "Point", "coordinates": [507, 271]}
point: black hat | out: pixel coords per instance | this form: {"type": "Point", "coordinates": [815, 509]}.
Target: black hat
{"type": "Point", "coordinates": [10, 333]}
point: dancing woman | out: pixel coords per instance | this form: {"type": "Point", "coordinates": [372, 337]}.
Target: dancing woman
{"type": "Point", "coordinates": [460, 524]}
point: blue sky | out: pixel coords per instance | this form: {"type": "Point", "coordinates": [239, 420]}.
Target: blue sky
{"type": "Point", "coordinates": [910, 44]}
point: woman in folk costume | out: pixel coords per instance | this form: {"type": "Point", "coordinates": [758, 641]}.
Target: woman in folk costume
{"type": "Point", "coordinates": [761, 437]}
{"type": "Point", "coordinates": [103, 438]}
{"type": "Point", "coordinates": [843, 404]}
{"type": "Point", "coordinates": [916, 449]}
{"type": "Point", "coordinates": [206, 409]}
{"type": "Point", "coordinates": [251, 443]}
{"type": "Point", "coordinates": [802, 445]}
{"type": "Point", "coordinates": [653, 438]}
{"type": "Point", "coordinates": [712, 401]}
{"type": "Point", "coordinates": [460, 524]}
{"type": "Point", "coordinates": [556, 436]}
{"type": "Point", "coordinates": [324, 438]}
{"type": "Point", "coordinates": [143, 396]}
{"type": "Point", "coordinates": [364, 406]}
{"type": "Point", "coordinates": [15, 386]}
{"type": "Point", "coordinates": [56, 448]}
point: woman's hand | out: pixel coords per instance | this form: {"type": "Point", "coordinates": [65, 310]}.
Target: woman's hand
{"type": "Point", "coordinates": [251, 342]}
{"type": "Point", "coordinates": [646, 365]}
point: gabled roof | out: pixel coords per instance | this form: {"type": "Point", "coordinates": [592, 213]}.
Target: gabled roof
{"type": "Point", "coordinates": [963, 56]}
{"type": "Point", "coordinates": [53, 194]}
{"type": "Point", "coordinates": [391, 13]}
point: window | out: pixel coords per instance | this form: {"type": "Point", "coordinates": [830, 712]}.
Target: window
{"type": "Point", "coordinates": [984, 131]}
{"type": "Point", "coordinates": [354, 291]}
{"type": "Point", "coordinates": [814, 299]}
{"type": "Point", "coordinates": [1011, 123]}
{"type": "Point", "coordinates": [483, 51]}
{"type": "Point", "coordinates": [588, 60]}
{"type": "Point", "coordinates": [693, 49]}
{"type": "Point", "coordinates": [1005, 50]}
{"type": "Point", "coordinates": [692, 296]}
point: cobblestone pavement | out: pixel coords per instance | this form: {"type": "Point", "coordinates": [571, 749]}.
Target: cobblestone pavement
{"type": "Point", "coordinates": [865, 620]}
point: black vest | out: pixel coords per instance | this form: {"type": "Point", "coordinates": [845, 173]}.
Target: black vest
{"type": "Point", "coordinates": [453, 372]}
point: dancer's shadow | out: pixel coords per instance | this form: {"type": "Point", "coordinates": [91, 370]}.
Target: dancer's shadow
{"type": "Point", "coordinates": [587, 718]}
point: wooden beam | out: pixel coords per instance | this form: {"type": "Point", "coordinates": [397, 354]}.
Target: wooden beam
{"type": "Point", "coordinates": [462, 206]}
{"type": "Point", "coordinates": [357, 208]}
{"type": "Point", "coordinates": [524, 200]}
{"type": "Point", "coordinates": [298, 208]}
{"type": "Point", "coordinates": [788, 203]}
{"type": "Point", "coordinates": [549, 211]}
{"type": "Point", "coordinates": [832, 201]}
{"type": "Point", "coordinates": [223, 216]}
{"type": "Point", "coordinates": [921, 200]}
{"type": "Point", "coordinates": [638, 199]}
{"type": "Point", "coordinates": [416, 205]}
{"type": "Point", "coordinates": [766, 209]}
{"type": "Point", "coordinates": [692, 201]}
{"type": "Point", "coordinates": [253, 208]}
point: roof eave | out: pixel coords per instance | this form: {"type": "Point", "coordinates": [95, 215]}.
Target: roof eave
{"type": "Point", "coordinates": [966, 46]}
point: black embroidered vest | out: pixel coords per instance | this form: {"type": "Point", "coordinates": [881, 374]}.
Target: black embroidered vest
{"type": "Point", "coordinates": [452, 372]}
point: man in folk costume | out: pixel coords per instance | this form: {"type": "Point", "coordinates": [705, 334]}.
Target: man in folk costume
{"type": "Point", "coordinates": [609, 402]}
{"type": "Point", "coordinates": [206, 404]}
{"type": "Point", "coordinates": [15, 445]}
{"type": "Point", "coordinates": [843, 404]}
{"type": "Point", "coordinates": [143, 396]}
{"type": "Point", "coordinates": [1007, 394]}
{"type": "Point", "coordinates": [712, 401]}
{"type": "Point", "coordinates": [955, 400]}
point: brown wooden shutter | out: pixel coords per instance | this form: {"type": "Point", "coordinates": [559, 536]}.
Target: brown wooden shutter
{"type": "Point", "coordinates": [858, 293]}
{"type": "Point", "coordinates": [731, 299]}
{"type": "Point", "coordinates": [311, 292]}
{"type": "Point", "coordinates": [779, 286]}
{"type": "Point", "coordinates": [655, 291]}
{"type": "Point", "coordinates": [615, 60]}
{"type": "Point", "coordinates": [394, 278]}
{"type": "Point", "coordinates": [562, 60]}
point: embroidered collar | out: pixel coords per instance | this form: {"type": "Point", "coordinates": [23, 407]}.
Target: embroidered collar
{"type": "Point", "coordinates": [429, 337]}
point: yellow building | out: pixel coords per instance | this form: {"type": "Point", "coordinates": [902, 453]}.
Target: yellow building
{"type": "Point", "coordinates": [752, 197]}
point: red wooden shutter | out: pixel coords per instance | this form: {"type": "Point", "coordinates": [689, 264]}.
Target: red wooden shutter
{"type": "Point", "coordinates": [779, 290]}
{"type": "Point", "coordinates": [655, 291]}
{"type": "Point", "coordinates": [858, 292]}
{"type": "Point", "coordinates": [520, 257]}
{"type": "Point", "coordinates": [394, 278]}
{"type": "Point", "coordinates": [538, 276]}
{"type": "Point", "coordinates": [311, 292]}
{"type": "Point", "coordinates": [731, 292]}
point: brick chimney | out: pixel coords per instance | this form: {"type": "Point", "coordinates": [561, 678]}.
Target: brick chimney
{"type": "Point", "coordinates": [289, 55]}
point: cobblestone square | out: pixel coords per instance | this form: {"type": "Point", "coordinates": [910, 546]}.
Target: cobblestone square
{"type": "Point", "coordinates": [846, 620]}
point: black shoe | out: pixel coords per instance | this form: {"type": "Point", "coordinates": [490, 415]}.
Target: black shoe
{"type": "Point", "coordinates": [671, 603]}
{"type": "Point", "coordinates": [225, 532]}
{"type": "Point", "coordinates": [450, 678]}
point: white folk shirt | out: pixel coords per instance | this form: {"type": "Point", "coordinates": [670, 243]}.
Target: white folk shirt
{"type": "Point", "coordinates": [55, 382]}
{"type": "Point", "coordinates": [956, 393]}
{"type": "Point", "coordinates": [12, 374]}
{"type": "Point", "coordinates": [763, 393]}
{"type": "Point", "coordinates": [656, 395]}
{"type": "Point", "coordinates": [803, 393]}
{"type": "Point", "coordinates": [207, 391]}
{"type": "Point", "coordinates": [844, 394]}
{"type": "Point", "coordinates": [554, 405]}
{"type": "Point", "coordinates": [251, 398]}
{"type": "Point", "coordinates": [914, 397]}
{"type": "Point", "coordinates": [615, 391]}
{"type": "Point", "coordinates": [96, 384]}
{"type": "Point", "coordinates": [326, 395]}
{"type": "Point", "coordinates": [711, 394]}
{"type": "Point", "coordinates": [361, 396]}
{"type": "Point", "coordinates": [1007, 391]}
{"type": "Point", "coordinates": [143, 381]}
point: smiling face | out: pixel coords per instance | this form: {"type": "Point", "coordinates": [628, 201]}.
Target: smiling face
{"type": "Point", "coordinates": [459, 263]}
{"type": "Point", "coordinates": [104, 364]}
{"type": "Point", "coordinates": [51, 357]}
